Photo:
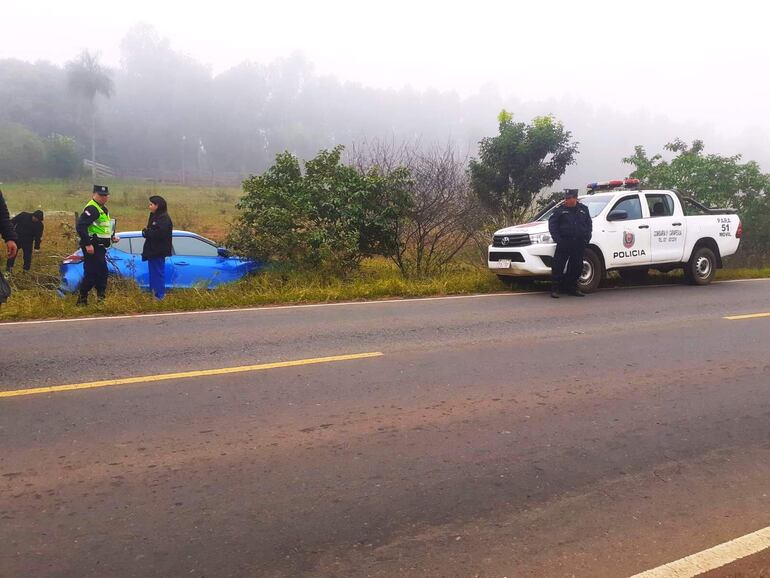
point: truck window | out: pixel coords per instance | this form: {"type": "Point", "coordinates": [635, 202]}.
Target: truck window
{"type": "Point", "coordinates": [660, 205]}
{"type": "Point", "coordinates": [630, 205]}
{"type": "Point", "coordinates": [594, 204]}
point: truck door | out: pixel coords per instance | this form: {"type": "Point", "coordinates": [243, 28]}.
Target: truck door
{"type": "Point", "coordinates": [627, 240]}
{"type": "Point", "coordinates": [667, 230]}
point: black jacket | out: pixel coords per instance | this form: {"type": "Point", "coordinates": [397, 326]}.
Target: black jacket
{"type": "Point", "coordinates": [27, 230]}
{"type": "Point", "coordinates": [570, 224]}
{"type": "Point", "coordinates": [7, 232]}
{"type": "Point", "coordinates": [158, 237]}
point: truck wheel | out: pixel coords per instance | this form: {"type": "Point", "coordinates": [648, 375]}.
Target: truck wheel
{"type": "Point", "coordinates": [593, 272]}
{"type": "Point", "coordinates": [634, 275]}
{"type": "Point", "coordinates": [701, 267]}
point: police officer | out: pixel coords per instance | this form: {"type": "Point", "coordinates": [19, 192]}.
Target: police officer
{"type": "Point", "coordinates": [7, 232]}
{"type": "Point", "coordinates": [570, 226]}
{"type": "Point", "coordinates": [29, 229]}
{"type": "Point", "coordinates": [95, 231]}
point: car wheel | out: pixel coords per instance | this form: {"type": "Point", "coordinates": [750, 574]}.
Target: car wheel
{"type": "Point", "coordinates": [593, 272]}
{"type": "Point", "coordinates": [701, 267]}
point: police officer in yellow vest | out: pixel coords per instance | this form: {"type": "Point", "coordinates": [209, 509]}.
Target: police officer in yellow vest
{"type": "Point", "coordinates": [95, 231]}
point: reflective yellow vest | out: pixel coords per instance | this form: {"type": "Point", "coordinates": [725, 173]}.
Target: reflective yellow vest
{"type": "Point", "coordinates": [101, 227]}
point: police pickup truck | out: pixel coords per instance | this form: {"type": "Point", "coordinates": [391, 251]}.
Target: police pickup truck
{"type": "Point", "coordinates": [634, 231]}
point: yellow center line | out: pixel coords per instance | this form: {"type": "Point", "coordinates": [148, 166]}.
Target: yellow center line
{"type": "Point", "coordinates": [751, 316]}
{"type": "Point", "coordinates": [186, 374]}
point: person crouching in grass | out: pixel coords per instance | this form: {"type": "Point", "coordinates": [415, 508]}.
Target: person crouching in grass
{"type": "Point", "coordinates": [157, 244]}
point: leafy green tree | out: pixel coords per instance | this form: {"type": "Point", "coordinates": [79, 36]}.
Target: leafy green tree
{"type": "Point", "coordinates": [87, 78]}
{"type": "Point", "coordinates": [717, 181]}
{"type": "Point", "coordinates": [22, 154]}
{"type": "Point", "coordinates": [514, 166]}
{"type": "Point", "coordinates": [712, 179]}
{"type": "Point", "coordinates": [61, 157]}
{"type": "Point", "coordinates": [327, 217]}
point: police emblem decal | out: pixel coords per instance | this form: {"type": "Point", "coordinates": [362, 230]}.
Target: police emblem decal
{"type": "Point", "coordinates": [628, 239]}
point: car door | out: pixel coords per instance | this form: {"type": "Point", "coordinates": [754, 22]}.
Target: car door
{"type": "Point", "coordinates": [123, 261]}
{"type": "Point", "coordinates": [143, 272]}
{"type": "Point", "coordinates": [667, 230]}
{"type": "Point", "coordinates": [628, 240]}
{"type": "Point", "coordinates": [195, 261]}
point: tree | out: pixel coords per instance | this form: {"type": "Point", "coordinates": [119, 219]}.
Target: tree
{"type": "Point", "coordinates": [442, 214]}
{"type": "Point", "coordinates": [515, 165]}
{"type": "Point", "coordinates": [22, 153]}
{"type": "Point", "coordinates": [717, 181]}
{"type": "Point", "coordinates": [87, 78]}
{"type": "Point", "coordinates": [328, 217]}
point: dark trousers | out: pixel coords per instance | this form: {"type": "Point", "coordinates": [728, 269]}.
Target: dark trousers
{"type": "Point", "coordinates": [25, 245]}
{"type": "Point", "coordinates": [95, 272]}
{"type": "Point", "coordinates": [569, 252]}
{"type": "Point", "coordinates": [157, 268]}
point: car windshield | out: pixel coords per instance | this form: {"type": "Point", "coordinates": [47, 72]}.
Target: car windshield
{"type": "Point", "coordinates": [595, 205]}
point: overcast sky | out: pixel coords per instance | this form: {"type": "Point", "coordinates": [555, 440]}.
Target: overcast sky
{"type": "Point", "coordinates": [688, 60]}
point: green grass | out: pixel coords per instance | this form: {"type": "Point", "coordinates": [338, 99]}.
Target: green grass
{"type": "Point", "coordinates": [207, 211]}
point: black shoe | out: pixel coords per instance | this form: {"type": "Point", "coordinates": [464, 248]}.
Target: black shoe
{"type": "Point", "coordinates": [82, 301]}
{"type": "Point", "coordinates": [577, 293]}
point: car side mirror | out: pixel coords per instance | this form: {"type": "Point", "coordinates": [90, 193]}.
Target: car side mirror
{"type": "Point", "coordinates": [222, 252]}
{"type": "Point", "coordinates": [617, 215]}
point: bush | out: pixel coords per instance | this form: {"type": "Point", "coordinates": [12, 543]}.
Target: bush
{"type": "Point", "coordinates": [22, 153]}
{"type": "Point", "coordinates": [328, 218]}
{"type": "Point", "coordinates": [61, 157]}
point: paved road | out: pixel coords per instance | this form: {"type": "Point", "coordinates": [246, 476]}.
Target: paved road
{"type": "Point", "coordinates": [505, 435]}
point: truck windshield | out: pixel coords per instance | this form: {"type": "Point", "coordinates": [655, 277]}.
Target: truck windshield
{"type": "Point", "coordinates": [595, 205]}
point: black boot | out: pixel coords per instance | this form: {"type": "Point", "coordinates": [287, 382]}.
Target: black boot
{"type": "Point", "coordinates": [82, 300]}
{"type": "Point", "coordinates": [555, 290]}
{"type": "Point", "coordinates": [577, 293]}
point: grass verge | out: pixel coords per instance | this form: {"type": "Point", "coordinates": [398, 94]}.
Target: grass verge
{"type": "Point", "coordinates": [377, 279]}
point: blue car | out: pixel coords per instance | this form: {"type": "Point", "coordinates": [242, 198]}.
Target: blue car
{"type": "Point", "coordinates": [196, 262]}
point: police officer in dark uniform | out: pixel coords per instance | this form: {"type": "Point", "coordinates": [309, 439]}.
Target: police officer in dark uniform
{"type": "Point", "coordinates": [29, 228]}
{"type": "Point", "coordinates": [570, 226]}
{"type": "Point", "coordinates": [95, 231]}
{"type": "Point", "coordinates": [7, 231]}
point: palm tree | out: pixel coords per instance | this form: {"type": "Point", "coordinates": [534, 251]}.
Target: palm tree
{"type": "Point", "coordinates": [87, 78]}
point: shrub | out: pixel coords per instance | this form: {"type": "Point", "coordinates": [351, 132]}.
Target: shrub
{"type": "Point", "coordinates": [328, 217]}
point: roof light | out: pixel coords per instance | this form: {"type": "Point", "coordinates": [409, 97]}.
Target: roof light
{"type": "Point", "coordinates": [615, 184]}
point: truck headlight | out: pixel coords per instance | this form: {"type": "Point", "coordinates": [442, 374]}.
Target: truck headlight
{"type": "Point", "coordinates": [541, 238]}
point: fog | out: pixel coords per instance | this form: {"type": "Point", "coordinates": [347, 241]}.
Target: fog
{"type": "Point", "coordinates": [218, 88]}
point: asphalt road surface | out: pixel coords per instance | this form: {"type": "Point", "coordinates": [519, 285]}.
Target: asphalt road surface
{"type": "Point", "coordinates": [505, 435]}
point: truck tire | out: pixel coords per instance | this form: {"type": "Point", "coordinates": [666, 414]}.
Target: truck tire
{"type": "Point", "coordinates": [701, 267]}
{"type": "Point", "coordinates": [593, 272]}
{"type": "Point", "coordinates": [634, 276]}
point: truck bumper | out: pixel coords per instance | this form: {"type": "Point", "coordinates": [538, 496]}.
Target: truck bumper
{"type": "Point", "coordinates": [529, 261]}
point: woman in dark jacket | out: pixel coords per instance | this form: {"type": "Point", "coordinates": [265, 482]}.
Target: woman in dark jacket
{"type": "Point", "coordinates": [157, 245]}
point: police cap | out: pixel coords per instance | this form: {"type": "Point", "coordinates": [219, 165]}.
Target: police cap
{"type": "Point", "coordinates": [101, 190]}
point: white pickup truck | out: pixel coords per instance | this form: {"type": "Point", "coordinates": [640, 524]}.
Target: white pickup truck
{"type": "Point", "coordinates": [633, 231]}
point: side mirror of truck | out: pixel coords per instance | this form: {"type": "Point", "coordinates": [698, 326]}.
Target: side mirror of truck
{"type": "Point", "coordinates": [617, 215]}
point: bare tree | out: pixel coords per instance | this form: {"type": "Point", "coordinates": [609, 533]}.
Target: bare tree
{"type": "Point", "coordinates": [87, 78]}
{"type": "Point", "coordinates": [444, 213]}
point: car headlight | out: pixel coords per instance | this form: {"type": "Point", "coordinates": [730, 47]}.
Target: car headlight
{"type": "Point", "coordinates": [541, 238]}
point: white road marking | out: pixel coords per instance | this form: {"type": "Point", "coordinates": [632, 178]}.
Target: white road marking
{"type": "Point", "coordinates": [715, 557]}
{"type": "Point", "coordinates": [314, 305]}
